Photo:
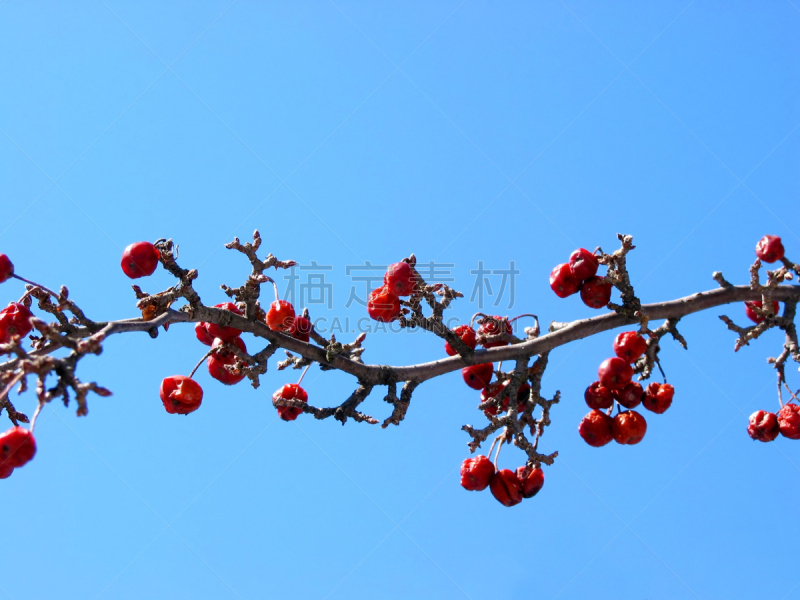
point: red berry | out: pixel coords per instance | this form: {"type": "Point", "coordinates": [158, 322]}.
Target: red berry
{"type": "Point", "coordinates": [769, 248]}
{"type": "Point", "coordinates": [467, 335]}
{"type": "Point", "coordinates": [280, 315]}
{"type": "Point", "coordinates": [751, 306]}
{"type": "Point", "coordinates": [300, 329]}
{"type": "Point", "coordinates": [6, 268]}
{"type": "Point", "coordinates": [494, 326]}
{"type": "Point", "coordinates": [220, 331]}
{"type": "Point", "coordinates": [614, 373]}
{"type": "Point", "coordinates": [583, 264]}
{"type": "Point", "coordinates": [17, 447]}
{"type": "Point", "coordinates": [383, 305]}
{"type": "Point", "coordinates": [789, 421]}
{"type": "Point", "coordinates": [630, 396]}
{"type": "Point", "coordinates": [563, 282]}
{"type": "Point", "coordinates": [201, 331]}
{"type": "Point", "coordinates": [629, 345]}
{"type": "Point", "coordinates": [15, 321]}
{"type": "Point", "coordinates": [290, 391]}
{"type": "Point", "coordinates": [495, 389]}
{"type": "Point", "coordinates": [629, 427]}
{"type": "Point", "coordinates": [476, 473]}
{"type": "Point", "coordinates": [598, 396]}
{"type": "Point", "coordinates": [180, 394]}
{"type": "Point", "coordinates": [658, 397]}
{"type": "Point", "coordinates": [595, 292]}
{"type": "Point", "coordinates": [400, 279]}
{"type": "Point", "coordinates": [219, 360]}
{"type": "Point", "coordinates": [140, 259]}
{"type": "Point", "coordinates": [506, 488]}
{"type": "Point", "coordinates": [478, 376]}
{"type": "Point", "coordinates": [6, 471]}
{"type": "Point", "coordinates": [531, 480]}
{"type": "Point", "coordinates": [595, 428]}
{"type": "Point", "coordinates": [763, 426]}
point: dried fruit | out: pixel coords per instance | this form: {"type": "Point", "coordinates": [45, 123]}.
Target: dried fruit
{"type": "Point", "coordinates": [658, 397]}
{"type": "Point", "coordinates": [769, 248]}
{"type": "Point", "coordinates": [180, 394]}
{"type": "Point", "coordinates": [300, 329]}
{"type": "Point", "coordinates": [223, 332]}
{"type": "Point", "coordinates": [598, 396]}
{"type": "Point", "coordinates": [531, 480]}
{"type": "Point", "coordinates": [280, 315]}
{"type": "Point", "coordinates": [6, 268]}
{"type": "Point", "coordinates": [583, 264]}
{"type": "Point", "coordinates": [15, 321]}
{"type": "Point", "coordinates": [763, 426]}
{"type": "Point", "coordinates": [629, 345]}
{"type": "Point", "coordinates": [595, 428]}
{"type": "Point", "coordinates": [290, 391]}
{"type": "Point", "coordinates": [629, 427]}
{"type": "Point", "coordinates": [221, 359]}
{"type": "Point", "coordinates": [630, 396]}
{"type": "Point", "coordinates": [789, 421]}
{"type": "Point", "coordinates": [400, 279]}
{"type": "Point", "coordinates": [494, 326]}
{"type": "Point", "coordinates": [563, 282]}
{"type": "Point", "coordinates": [17, 447]}
{"type": "Point", "coordinates": [595, 292]}
{"type": "Point", "coordinates": [383, 305]}
{"type": "Point", "coordinates": [478, 376]}
{"type": "Point", "coordinates": [476, 473]}
{"type": "Point", "coordinates": [467, 335]}
{"type": "Point", "coordinates": [140, 259]}
{"type": "Point", "coordinates": [614, 373]}
{"type": "Point", "coordinates": [506, 488]}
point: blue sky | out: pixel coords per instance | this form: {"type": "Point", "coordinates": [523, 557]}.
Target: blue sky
{"type": "Point", "coordinates": [348, 132]}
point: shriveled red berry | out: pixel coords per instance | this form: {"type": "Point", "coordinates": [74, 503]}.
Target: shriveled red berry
{"type": "Point", "coordinates": [494, 326]}
{"type": "Point", "coordinates": [6, 268]}
{"type": "Point", "coordinates": [506, 488]}
{"type": "Point", "coordinates": [140, 259]}
{"type": "Point", "coordinates": [467, 335]}
{"type": "Point", "coordinates": [6, 471]}
{"type": "Point", "coordinates": [17, 447]}
{"type": "Point", "coordinates": [300, 329]}
{"type": "Point", "coordinates": [478, 376]}
{"type": "Point", "coordinates": [400, 279]}
{"type": "Point", "coordinates": [180, 394]}
{"type": "Point", "coordinates": [201, 331]}
{"type": "Point", "coordinates": [789, 421]}
{"type": "Point", "coordinates": [769, 248]}
{"type": "Point", "coordinates": [595, 428]}
{"type": "Point", "coordinates": [629, 345]}
{"type": "Point", "coordinates": [763, 426]}
{"type": "Point", "coordinates": [629, 427]}
{"type": "Point", "coordinates": [476, 473]}
{"type": "Point", "coordinates": [531, 480]}
{"type": "Point", "coordinates": [15, 321]}
{"type": "Point", "coordinates": [751, 312]}
{"type": "Point", "coordinates": [563, 282]}
{"type": "Point", "coordinates": [583, 264]}
{"type": "Point", "coordinates": [223, 332]}
{"type": "Point", "coordinates": [595, 292]}
{"type": "Point", "coordinates": [383, 305]}
{"type": "Point", "coordinates": [658, 397]}
{"type": "Point", "coordinates": [494, 390]}
{"type": "Point", "coordinates": [221, 358]}
{"type": "Point", "coordinates": [598, 396]}
{"type": "Point", "coordinates": [280, 315]}
{"type": "Point", "coordinates": [614, 373]}
{"type": "Point", "coordinates": [630, 396]}
{"type": "Point", "coordinates": [290, 391]}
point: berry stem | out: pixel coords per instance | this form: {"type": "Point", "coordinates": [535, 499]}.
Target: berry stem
{"type": "Point", "coordinates": [664, 375]}
{"type": "Point", "coordinates": [197, 366]}
{"type": "Point", "coordinates": [303, 374]}
{"type": "Point", "coordinates": [33, 283]}
{"type": "Point", "coordinates": [275, 286]}
{"type": "Point", "coordinates": [35, 415]}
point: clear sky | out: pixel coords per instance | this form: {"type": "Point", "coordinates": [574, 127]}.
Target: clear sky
{"type": "Point", "coordinates": [469, 133]}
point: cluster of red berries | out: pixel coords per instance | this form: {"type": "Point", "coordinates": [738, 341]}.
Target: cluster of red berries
{"type": "Point", "coordinates": [580, 275]}
{"type": "Point", "coordinates": [769, 249]}
{"type": "Point", "coordinates": [183, 395]}
{"type": "Point", "coordinates": [765, 426]}
{"type": "Point", "coordinates": [507, 486]}
{"type": "Point", "coordinates": [384, 302]}
{"type": "Point", "coordinates": [15, 319]}
{"type": "Point", "coordinates": [17, 447]}
{"type": "Point", "coordinates": [614, 385]}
